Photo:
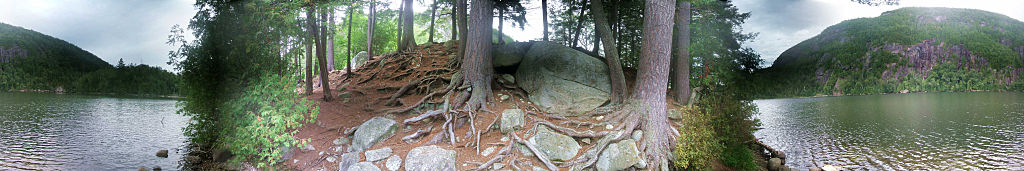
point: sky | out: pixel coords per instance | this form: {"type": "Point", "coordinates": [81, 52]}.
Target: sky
{"type": "Point", "coordinates": [137, 30]}
{"type": "Point", "coordinates": [781, 24]}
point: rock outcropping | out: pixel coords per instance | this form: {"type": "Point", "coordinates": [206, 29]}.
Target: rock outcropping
{"type": "Point", "coordinates": [550, 72]}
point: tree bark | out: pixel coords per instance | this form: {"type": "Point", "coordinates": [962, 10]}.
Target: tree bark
{"type": "Point", "coordinates": [408, 37]}
{"type": "Point", "coordinates": [455, 25]}
{"type": "Point", "coordinates": [477, 62]}
{"type": "Point", "coordinates": [321, 51]}
{"type": "Point", "coordinates": [544, 14]}
{"type": "Point", "coordinates": [463, 28]}
{"type": "Point", "coordinates": [330, 39]}
{"type": "Point", "coordinates": [433, 12]}
{"type": "Point", "coordinates": [501, 26]}
{"type": "Point", "coordinates": [400, 44]}
{"type": "Point", "coordinates": [681, 60]}
{"type": "Point", "coordinates": [652, 82]}
{"type": "Point", "coordinates": [579, 24]}
{"type": "Point", "coordinates": [611, 53]}
{"type": "Point", "coordinates": [348, 40]}
{"type": "Point", "coordinates": [369, 29]}
{"type": "Point", "coordinates": [309, 57]}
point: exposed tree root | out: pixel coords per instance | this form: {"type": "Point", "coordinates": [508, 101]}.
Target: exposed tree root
{"type": "Point", "coordinates": [410, 107]}
{"type": "Point", "coordinates": [410, 139]}
{"type": "Point", "coordinates": [425, 115]}
{"type": "Point", "coordinates": [498, 157]}
{"type": "Point", "coordinates": [393, 100]}
{"type": "Point", "coordinates": [543, 158]}
{"type": "Point", "coordinates": [570, 132]}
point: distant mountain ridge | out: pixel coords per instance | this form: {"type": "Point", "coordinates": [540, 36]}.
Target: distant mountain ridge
{"type": "Point", "coordinates": [32, 60]}
{"type": "Point", "coordinates": [904, 50]}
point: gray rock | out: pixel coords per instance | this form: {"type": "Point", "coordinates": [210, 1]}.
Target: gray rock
{"type": "Point", "coordinates": [430, 158]}
{"type": "Point", "coordinates": [371, 132]}
{"type": "Point", "coordinates": [774, 164]}
{"type": "Point", "coordinates": [585, 140]}
{"type": "Point", "coordinates": [556, 146]}
{"type": "Point", "coordinates": [341, 141]}
{"type": "Point", "coordinates": [497, 166]}
{"type": "Point", "coordinates": [378, 154]}
{"type": "Point", "coordinates": [509, 78]}
{"type": "Point", "coordinates": [509, 54]}
{"type": "Point", "coordinates": [638, 135]}
{"type": "Point", "coordinates": [348, 159]}
{"type": "Point", "coordinates": [157, 168]}
{"type": "Point", "coordinates": [363, 166]}
{"type": "Point", "coordinates": [393, 163]}
{"type": "Point", "coordinates": [161, 153]}
{"type": "Point", "coordinates": [503, 97]}
{"type": "Point", "coordinates": [142, 168]}
{"type": "Point", "coordinates": [488, 151]}
{"type": "Point", "coordinates": [538, 168]}
{"type": "Point", "coordinates": [551, 73]}
{"type": "Point", "coordinates": [675, 114]}
{"type": "Point", "coordinates": [331, 159]}
{"type": "Point", "coordinates": [618, 156]}
{"type": "Point", "coordinates": [511, 119]}
{"type": "Point", "coordinates": [360, 59]}
{"type": "Point", "coordinates": [524, 150]}
{"type": "Point", "coordinates": [307, 148]}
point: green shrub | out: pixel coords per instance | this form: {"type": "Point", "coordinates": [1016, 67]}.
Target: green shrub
{"type": "Point", "coordinates": [697, 145]}
{"type": "Point", "coordinates": [739, 157]}
{"type": "Point", "coordinates": [264, 119]}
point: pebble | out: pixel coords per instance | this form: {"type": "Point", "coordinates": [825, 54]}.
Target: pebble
{"type": "Point", "coordinates": [609, 126]}
{"type": "Point", "coordinates": [488, 151]}
{"type": "Point", "coordinates": [331, 159]}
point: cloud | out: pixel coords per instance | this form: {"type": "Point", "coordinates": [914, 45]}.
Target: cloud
{"type": "Point", "coordinates": [135, 30]}
{"type": "Point", "coordinates": [784, 23]}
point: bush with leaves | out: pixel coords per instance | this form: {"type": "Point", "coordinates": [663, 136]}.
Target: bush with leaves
{"type": "Point", "coordinates": [265, 118]}
{"type": "Point", "coordinates": [697, 145]}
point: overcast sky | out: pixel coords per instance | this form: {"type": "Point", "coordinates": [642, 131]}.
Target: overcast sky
{"type": "Point", "coordinates": [784, 23]}
{"type": "Point", "coordinates": [136, 30]}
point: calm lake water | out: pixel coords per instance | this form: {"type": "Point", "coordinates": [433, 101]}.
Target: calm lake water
{"type": "Point", "coordinates": [40, 131]}
{"type": "Point", "coordinates": [924, 131]}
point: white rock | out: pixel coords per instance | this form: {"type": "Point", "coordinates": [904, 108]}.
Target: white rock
{"type": "Point", "coordinates": [488, 151]}
{"type": "Point", "coordinates": [393, 163]}
{"type": "Point", "coordinates": [378, 154]}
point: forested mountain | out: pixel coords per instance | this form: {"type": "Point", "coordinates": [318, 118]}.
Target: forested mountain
{"type": "Point", "coordinates": [32, 60]}
{"type": "Point", "coordinates": [904, 50]}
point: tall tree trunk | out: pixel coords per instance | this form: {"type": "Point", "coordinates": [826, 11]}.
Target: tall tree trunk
{"type": "Point", "coordinates": [321, 51]}
{"type": "Point", "coordinates": [348, 40]}
{"type": "Point", "coordinates": [400, 44]}
{"type": "Point", "coordinates": [433, 12]}
{"type": "Point", "coordinates": [597, 42]}
{"type": "Point", "coordinates": [309, 57]}
{"type": "Point", "coordinates": [652, 82]}
{"type": "Point", "coordinates": [501, 26]}
{"type": "Point", "coordinates": [330, 38]}
{"type": "Point", "coordinates": [579, 24]}
{"type": "Point", "coordinates": [681, 60]}
{"type": "Point", "coordinates": [611, 53]}
{"type": "Point", "coordinates": [369, 29]}
{"type": "Point", "coordinates": [477, 63]}
{"type": "Point", "coordinates": [408, 36]}
{"type": "Point", "coordinates": [463, 29]}
{"type": "Point", "coordinates": [544, 14]}
{"type": "Point", "coordinates": [455, 25]}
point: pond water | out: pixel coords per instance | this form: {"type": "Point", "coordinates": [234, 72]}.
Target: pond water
{"type": "Point", "coordinates": [41, 131]}
{"type": "Point", "coordinates": [921, 131]}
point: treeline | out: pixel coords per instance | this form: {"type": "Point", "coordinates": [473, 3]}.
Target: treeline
{"type": "Point", "coordinates": [32, 60]}
{"type": "Point", "coordinates": [129, 80]}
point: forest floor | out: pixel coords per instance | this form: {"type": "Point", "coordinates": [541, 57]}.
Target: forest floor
{"type": "Point", "coordinates": [369, 88]}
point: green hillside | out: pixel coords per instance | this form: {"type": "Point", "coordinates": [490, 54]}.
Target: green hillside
{"type": "Point", "coordinates": [32, 60]}
{"type": "Point", "coordinates": [908, 49]}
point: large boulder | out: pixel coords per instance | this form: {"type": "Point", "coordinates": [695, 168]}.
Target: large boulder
{"type": "Point", "coordinates": [359, 59]}
{"type": "Point", "coordinates": [371, 132]}
{"type": "Point", "coordinates": [619, 156]}
{"type": "Point", "coordinates": [556, 146]}
{"type": "Point", "coordinates": [561, 80]}
{"type": "Point", "coordinates": [430, 158]}
{"type": "Point", "coordinates": [510, 54]}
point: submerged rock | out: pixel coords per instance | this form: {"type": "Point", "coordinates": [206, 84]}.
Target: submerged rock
{"type": "Point", "coordinates": [561, 80]}
{"type": "Point", "coordinates": [161, 153]}
{"type": "Point", "coordinates": [371, 132]}
{"type": "Point", "coordinates": [774, 164]}
{"type": "Point", "coordinates": [430, 158]}
{"type": "Point", "coordinates": [556, 146]}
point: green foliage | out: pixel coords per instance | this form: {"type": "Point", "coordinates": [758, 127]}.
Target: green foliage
{"type": "Point", "coordinates": [697, 145]}
{"type": "Point", "coordinates": [739, 157]}
{"type": "Point", "coordinates": [264, 118]}
{"type": "Point", "coordinates": [32, 60]}
{"type": "Point", "coordinates": [128, 80]}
